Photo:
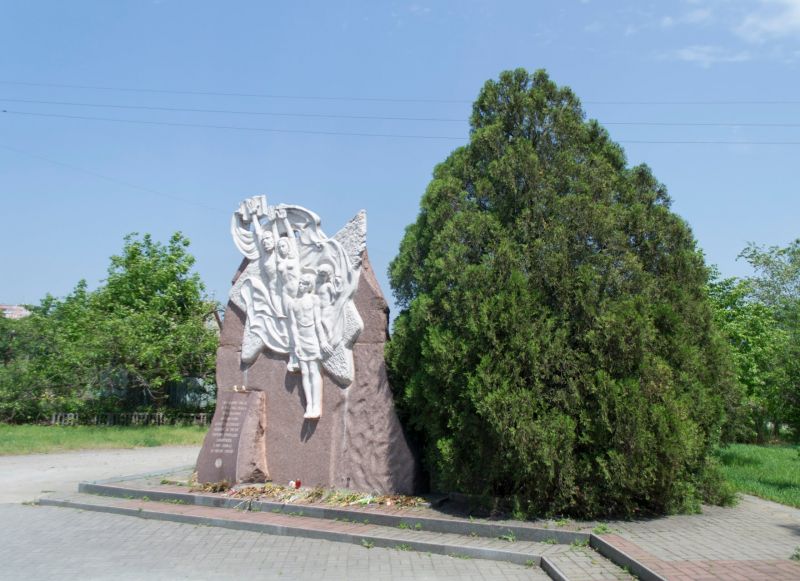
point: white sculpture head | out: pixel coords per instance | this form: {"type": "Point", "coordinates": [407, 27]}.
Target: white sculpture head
{"type": "Point", "coordinates": [267, 241]}
{"type": "Point", "coordinates": [324, 273]}
{"type": "Point", "coordinates": [284, 248]}
{"type": "Point", "coordinates": [305, 285]}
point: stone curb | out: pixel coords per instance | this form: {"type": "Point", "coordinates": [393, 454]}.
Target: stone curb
{"type": "Point", "coordinates": [617, 556]}
{"type": "Point", "coordinates": [454, 550]}
{"type": "Point", "coordinates": [551, 570]}
{"type": "Point", "coordinates": [622, 559]}
{"type": "Point", "coordinates": [115, 479]}
{"type": "Point", "coordinates": [458, 527]}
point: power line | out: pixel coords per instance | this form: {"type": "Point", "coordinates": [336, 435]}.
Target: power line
{"type": "Point", "coordinates": [708, 142]}
{"type": "Point", "coordinates": [232, 127]}
{"type": "Point", "coordinates": [669, 103]}
{"type": "Point", "coordinates": [358, 134]}
{"type": "Point", "coordinates": [234, 94]}
{"type": "Point", "coordinates": [232, 112]}
{"type": "Point", "coordinates": [374, 117]}
{"type": "Point", "coordinates": [698, 124]}
{"type": "Point", "coordinates": [643, 102]}
{"type": "Point", "coordinates": [110, 179]}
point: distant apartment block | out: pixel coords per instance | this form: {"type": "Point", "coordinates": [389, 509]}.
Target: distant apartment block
{"type": "Point", "coordinates": [14, 311]}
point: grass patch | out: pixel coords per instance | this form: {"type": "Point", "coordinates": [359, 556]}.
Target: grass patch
{"type": "Point", "coordinates": [601, 529]}
{"type": "Point", "coordinates": [32, 439]}
{"type": "Point", "coordinates": [771, 472]}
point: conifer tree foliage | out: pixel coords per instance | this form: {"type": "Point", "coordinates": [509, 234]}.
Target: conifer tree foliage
{"type": "Point", "coordinates": [555, 344]}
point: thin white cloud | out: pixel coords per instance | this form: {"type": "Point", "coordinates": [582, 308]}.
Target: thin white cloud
{"type": "Point", "coordinates": [667, 22]}
{"type": "Point", "coordinates": [707, 55]}
{"type": "Point", "coordinates": [773, 19]}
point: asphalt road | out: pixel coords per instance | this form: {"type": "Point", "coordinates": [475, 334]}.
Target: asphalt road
{"type": "Point", "coordinates": [25, 478]}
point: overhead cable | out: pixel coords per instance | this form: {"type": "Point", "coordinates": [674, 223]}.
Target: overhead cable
{"type": "Point", "coordinates": [374, 117]}
{"type": "Point", "coordinates": [357, 134]}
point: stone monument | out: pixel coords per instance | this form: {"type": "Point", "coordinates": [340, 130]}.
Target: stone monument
{"type": "Point", "coordinates": [302, 391]}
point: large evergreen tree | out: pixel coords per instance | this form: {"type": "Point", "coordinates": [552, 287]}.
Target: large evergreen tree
{"type": "Point", "coordinates": [555, 343]}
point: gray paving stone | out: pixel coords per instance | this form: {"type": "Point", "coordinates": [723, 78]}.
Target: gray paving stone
{"type": "Point", "coordinates": [39, 542]}
{"type": "Point", "coordinates": [754, 530]}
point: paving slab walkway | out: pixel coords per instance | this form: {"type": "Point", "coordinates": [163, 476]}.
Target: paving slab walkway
{"type": "Point", "coordinates": [753, 540]}
{"type": "Point", "coordinates": [39, 543]}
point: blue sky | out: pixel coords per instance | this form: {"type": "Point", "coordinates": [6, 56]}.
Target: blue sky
{"type": "Point", "coordinates": [83, 162]}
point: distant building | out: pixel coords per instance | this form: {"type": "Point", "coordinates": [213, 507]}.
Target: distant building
{"type": "Point", "coordinates": [14, 311]}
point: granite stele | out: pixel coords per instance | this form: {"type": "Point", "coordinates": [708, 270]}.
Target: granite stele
{"type": "Point", "coordinates": [302, 389]}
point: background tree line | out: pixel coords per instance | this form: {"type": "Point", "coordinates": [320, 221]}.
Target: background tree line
{"type": "Point", "coordinates": [145, 338]}
{"type": "Point", "coordinates": [760, 317]}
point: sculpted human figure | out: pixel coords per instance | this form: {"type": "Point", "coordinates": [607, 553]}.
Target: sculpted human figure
{"type": "Point", "coordinates": [269, 262]}
{"type": "Point", "coordinates": [261, 289]}
{"type": "Point", "coordinates": [288, 256]}
{"type": "Point", "coordinates": [310, 343]}
{"type": "Point", "coordinates": [327, 293]}
{"type": "Point", "coordinates": [314, 323]}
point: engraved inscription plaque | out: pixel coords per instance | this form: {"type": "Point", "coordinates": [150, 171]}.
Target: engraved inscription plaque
{"type": "Point", "coordinates": [238, 423]}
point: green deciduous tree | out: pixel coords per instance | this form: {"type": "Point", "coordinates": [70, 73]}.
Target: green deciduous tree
{"type": "Point", "coordinates": [776, 285]}
{"type": "Point", "coordinates": [555, 343]}
{"type": "Point", "coordinates": [155, 310]}
{"type": "Point", "coordinates": [759, 347]}
{"type": "Point", "coordinates": [146, 329]}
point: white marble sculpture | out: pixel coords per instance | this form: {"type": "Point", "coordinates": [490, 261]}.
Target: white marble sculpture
{"type": "Point", "coordinates": [297, 291]}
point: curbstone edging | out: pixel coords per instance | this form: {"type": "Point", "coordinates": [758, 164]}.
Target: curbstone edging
{"type": "Point", "coordinates": [622, 559]}
{"type": "Point", "coordinates": [281, 530]}
{"type": "Point", "coordinates": [113, 488]}
{"type": "Point", "coordinates": [552, 571]}
{"type": "Point", "coordinates": [429, 524]}
{"type": "Point", "coordinates": [139, 476]}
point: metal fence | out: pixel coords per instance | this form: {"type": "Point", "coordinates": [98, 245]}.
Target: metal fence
{"type": "Point", "coordinates": [130, 419]}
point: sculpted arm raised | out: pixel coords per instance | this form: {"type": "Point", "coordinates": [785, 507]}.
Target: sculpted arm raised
{"type": "Point", "coordinates": [315, 325]}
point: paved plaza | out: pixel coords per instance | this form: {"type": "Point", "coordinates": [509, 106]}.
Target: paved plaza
{"type": "Point", "coordinates": [752, 541]}
{"type": "Point", "coordinates": [42, 542]}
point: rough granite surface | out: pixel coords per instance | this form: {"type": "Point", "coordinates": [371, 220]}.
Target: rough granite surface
{"type": "Point", "coordinates": [245, 460]}
{"type": "Point", "coordinates": [358, 443]}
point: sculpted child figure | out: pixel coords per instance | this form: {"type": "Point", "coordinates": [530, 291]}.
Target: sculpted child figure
{"type": "Point", "coordinates": [310, 342]}
{"type": "Point", "coordinates": [296, 291]}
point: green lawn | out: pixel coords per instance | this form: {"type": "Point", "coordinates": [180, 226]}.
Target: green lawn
{"type": "Point", "coordinates": [28, 439]}
{"type": "Point", "coordinates": [771, 472]}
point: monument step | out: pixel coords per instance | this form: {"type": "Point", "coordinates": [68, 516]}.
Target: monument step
{"type": "Point", "coordinates": [615, 558]}
{"type": "Point", "coordinates": [377, 515]}
{"type": "Point", "coordinates": [559, 561]}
